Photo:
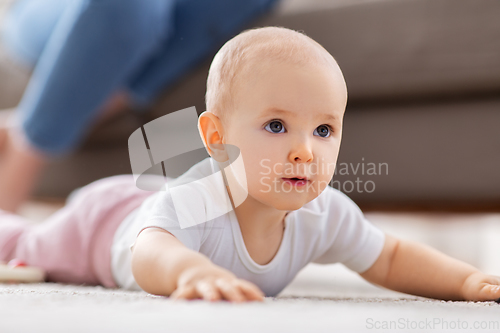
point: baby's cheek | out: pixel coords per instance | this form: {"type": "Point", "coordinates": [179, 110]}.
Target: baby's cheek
{"type": "Point", "coordinates": [327, 170]}
{"type": "Point", "coordinates": [258, 182]}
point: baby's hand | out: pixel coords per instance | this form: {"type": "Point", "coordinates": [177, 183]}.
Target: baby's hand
{"type": "Point", "coordinates": [481, 287]}
{"type": "Point", "coordinates": [214, 283]}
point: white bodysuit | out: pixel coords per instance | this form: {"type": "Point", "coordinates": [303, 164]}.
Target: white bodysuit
{"type": "Point", "coordinates": [328, 229]}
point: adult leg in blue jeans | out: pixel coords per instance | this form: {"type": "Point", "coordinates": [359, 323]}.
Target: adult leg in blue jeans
{"type": "Point", "coordinates": [91, 49]}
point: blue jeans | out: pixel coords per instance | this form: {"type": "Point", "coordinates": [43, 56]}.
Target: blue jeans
{"type": "Point", "coordinates": [84, 50]}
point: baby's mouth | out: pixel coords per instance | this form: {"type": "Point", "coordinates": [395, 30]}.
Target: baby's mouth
{"type": "Point", "coordinates": [296, 181]}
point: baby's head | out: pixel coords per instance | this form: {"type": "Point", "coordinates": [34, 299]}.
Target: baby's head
{"type": "Point", "coordinates": [279, 97]}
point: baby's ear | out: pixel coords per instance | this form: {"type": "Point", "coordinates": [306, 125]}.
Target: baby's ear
{"type": "Point", "coordinates": [211, 132]}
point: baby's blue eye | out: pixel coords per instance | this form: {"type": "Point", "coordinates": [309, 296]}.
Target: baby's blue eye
{"type": "Point", "coordinates": [323, 131]}
{"type": "Point", "coordinates": [275, 127]}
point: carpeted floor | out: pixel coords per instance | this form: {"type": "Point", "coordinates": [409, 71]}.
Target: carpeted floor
{"type": "Point", "coordinates": [322, 298]}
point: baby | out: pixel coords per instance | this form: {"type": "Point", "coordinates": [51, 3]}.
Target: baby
{"type": "Point", "coordinates": [279, 97]}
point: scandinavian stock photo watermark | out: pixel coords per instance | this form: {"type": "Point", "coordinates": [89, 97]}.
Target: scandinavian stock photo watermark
{"type": "Point", "coordinates": [154, 148]}
{"type": "Point", "coordinates": [435, 323]}
{"type": "Point", "coordinates": [306, 177]}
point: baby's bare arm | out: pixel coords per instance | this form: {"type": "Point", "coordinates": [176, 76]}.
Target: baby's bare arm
{"type": "Point", "coordinates": [159, 258]}
{"type": "Point", "coordinates": [162, 265]}
{"type": "Point", "coordinates": [418, 269]}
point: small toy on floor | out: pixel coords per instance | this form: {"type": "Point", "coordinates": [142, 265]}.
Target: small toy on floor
{"type": "Point", "coordinates": [16, 271]}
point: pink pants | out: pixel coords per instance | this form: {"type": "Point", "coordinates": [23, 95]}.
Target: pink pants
{"type": "Point", "coordinates": [74, 244]}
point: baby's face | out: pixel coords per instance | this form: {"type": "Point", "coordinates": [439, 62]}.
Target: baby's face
{"type": "Point", "coordinates": [288, 123]}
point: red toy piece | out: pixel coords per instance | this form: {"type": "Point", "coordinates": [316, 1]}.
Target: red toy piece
{"type": "Point", "coordinates": [16, 263]}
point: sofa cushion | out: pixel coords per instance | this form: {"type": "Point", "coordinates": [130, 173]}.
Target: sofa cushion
{"type": "Point", "coordinates": [406, 49]}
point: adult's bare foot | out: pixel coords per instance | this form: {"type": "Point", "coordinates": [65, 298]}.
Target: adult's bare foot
{"type": "Point", "coordinates": [3, 138]}
{"type": "Point", "coordinates": [5, 116]}
{"type": "Point", "coordinates": [116, 104]}
{"type": "Point", "coordinates": [20, 167]}
{"type": "Point", "coordinates": [20, 164]}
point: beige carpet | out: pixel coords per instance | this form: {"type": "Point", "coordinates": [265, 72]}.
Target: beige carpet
{"type": "Point", "coordinates": [322, 298]}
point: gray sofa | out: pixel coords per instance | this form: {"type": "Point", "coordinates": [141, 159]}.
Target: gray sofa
{"type": "Point", "coordinates": [424, 104]}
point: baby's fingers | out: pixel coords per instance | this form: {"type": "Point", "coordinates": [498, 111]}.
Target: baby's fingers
{"type": "Point", "coordinates": [207, 290]}
{"type": "Point", "coordinates": [184, 292]}
{"type": "Point", "coordinates": [488, 293]}
{"type": "Point", "coordinates": [229, 290]}
{"type": "Point", "coordinates": [251, 291]}
{"type": "Point", "coordinates": [494, 291]}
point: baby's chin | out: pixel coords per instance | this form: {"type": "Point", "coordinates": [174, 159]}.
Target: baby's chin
{"type": "Point", "coordinates": [286, 203]}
